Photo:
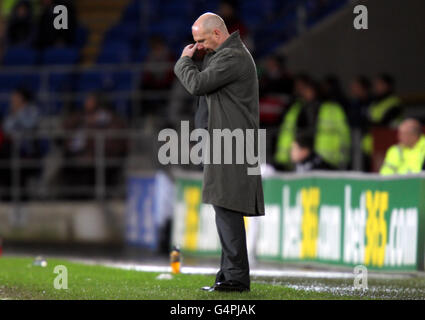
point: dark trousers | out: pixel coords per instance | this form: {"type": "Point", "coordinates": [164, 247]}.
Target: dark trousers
{"type": "Point", "coordinates": [234, 254]}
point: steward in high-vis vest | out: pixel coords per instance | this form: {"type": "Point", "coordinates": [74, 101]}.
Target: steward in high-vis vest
{"type": "Point", "coordinates": [409, 155]}
{"type": "Point", "coordinates": [384, 111]}
{"type": "Point", "coordinates": [288, 128]}
{"type": "Point", "coordinates": [325, 120]}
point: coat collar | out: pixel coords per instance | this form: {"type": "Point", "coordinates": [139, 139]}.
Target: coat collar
{"type": "Point", "coordinates": [232, 41]}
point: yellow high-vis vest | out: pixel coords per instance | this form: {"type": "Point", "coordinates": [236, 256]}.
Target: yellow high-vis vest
{"type": "Point", "coordinates": [377, 111]}
{"type": "Point", "coordinates": [402, 160]}
{"type": "Point", "coordinates": [287, 135]}
{"type": "Point", "coordinates": [332, 140]}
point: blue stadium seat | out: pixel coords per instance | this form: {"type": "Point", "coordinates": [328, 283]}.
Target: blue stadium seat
{"type": "Point", "coordinates": [60, 81]}
{"type": "Point", "coordinates": [20, 56]}
{"type": "Point", "coordinates": [115, 52]}
{"type": "Point", "coordinates": [177, 9]}
{"type": "Point", "coordinates": [81, 36]}
{"type": "Point", "coordinates": [4, 107]}
{"type": "Point", "coordinates": [60, 56]}
{"type": "Point", "coordinates": [252, 13]}
{"type": "Point", "coordinates": [170, 29]}
{"type": "Point", "coordinates": [93, 81]}
{"type": "Point", "coordinates": [123, 32]}
{"type": "Point", "coordinates": [123, 80]}
{"type": "Point", "coordinates": [9, 82]}
{"type": "Point", "coordinates": [140, 53]}
{"type": "Point", "coordinates": [123, 107]}
{"type": "Point", "coordinates": [133, 12]}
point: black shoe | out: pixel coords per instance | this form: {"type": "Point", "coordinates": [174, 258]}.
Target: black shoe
{"type": "Point", "coordinates": [209, 289]}
{"type": "Point", "coordinates": [227, 286]}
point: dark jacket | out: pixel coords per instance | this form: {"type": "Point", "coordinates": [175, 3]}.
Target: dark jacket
{"type": "Point", "coordinates": [230, 86]}
{"type": "Point", "coordinates": [311, 163]}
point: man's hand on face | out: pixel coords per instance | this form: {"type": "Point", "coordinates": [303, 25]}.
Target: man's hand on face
{"type": "Point", "coordinates": [189, 50]}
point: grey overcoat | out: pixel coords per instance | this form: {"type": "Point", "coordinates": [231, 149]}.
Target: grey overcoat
{"type": "Point", "coordinates": [229, 84]}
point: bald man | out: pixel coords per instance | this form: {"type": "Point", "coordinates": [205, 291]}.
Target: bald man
{"type": "Point", "coordinates": [228, 90]}
{"type": "Point", "coordinates": [409, 155]}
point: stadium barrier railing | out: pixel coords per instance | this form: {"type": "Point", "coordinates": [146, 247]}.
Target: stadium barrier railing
{"type": "Point", "coordinates": [44, 173]}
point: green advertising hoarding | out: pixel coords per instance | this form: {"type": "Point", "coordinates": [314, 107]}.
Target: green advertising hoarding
{"type": "Point", "coordinates": [342, 219]}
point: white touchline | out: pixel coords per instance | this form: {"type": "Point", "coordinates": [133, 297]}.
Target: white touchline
{"type": "Point", "coordinates": [255, 272]}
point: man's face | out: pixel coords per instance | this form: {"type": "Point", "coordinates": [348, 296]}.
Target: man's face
{"type": "Point", "coordinates": [206, 40]}
{"type": "Point", "coordinates": [356, 90]}
{"type": "Point", "coordinates": [307, 93]}
{"type": "Point", "coordinates": [298, 154]}
{"type": "Point", "coordinates": [380, 87]}
{"type": "Point", "coordinates": [406, 137]}
{"type": "Point", "coordinates": [90, 103]}
{"type": "Point", "coordinates": [16, 101]}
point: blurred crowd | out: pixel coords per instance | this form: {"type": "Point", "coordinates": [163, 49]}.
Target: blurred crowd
{"type": "Point", "coordinates": [312, 123]}
{"type": "Point", "coordinates": [81, 146]}
{"type": "Point", "coordinates": [29, 23]}
{"type": "Point", "coordinates": [320, 108]}
{"type": "Point", "coordinates": [317, 120]}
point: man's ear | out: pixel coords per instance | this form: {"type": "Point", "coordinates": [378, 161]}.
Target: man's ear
{"type": "Point", "coordinates": [217, 33]}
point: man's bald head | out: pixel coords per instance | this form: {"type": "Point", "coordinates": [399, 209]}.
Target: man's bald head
{"type": "Point", "coordinates": [210, 21]}
{"type": "Point", "coordinates": [209, 31]}
{"type": "Point", "coordinates": [409, 132]}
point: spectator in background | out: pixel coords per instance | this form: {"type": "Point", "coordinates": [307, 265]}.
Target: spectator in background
{"type": "Point", "coordinates": [158, 74]}
{"type": "Point", "coordinates": [20, 25]}
{"type": "Point", "coordinates": [47, 35]}
{"type": "Point", "coordinates": [227, 9]}
{"type": "Point", "coordinates": [158, 77]}
{"type": "Point", "coordinates": [95, 117]}
{"type": "Point", "coordinates": [303, 155]}
{"type": "Point", "coordinates": [332, 91]}
{"type": "Point", "coordinates": [311, 98]}
{"type": "Point", "coordinates": [3, 36]}
{"type": "Point", "coordinates": [384, 111]}
{"type": "Point", "coordinates": [7, 6]}
{"type": "Point", "coordinates": [409, 155]}
{"type": "Point", "coordinates": [360, 99]}
{"type": "Point", "coordinates": [274, 77]}
{"type": "Point", "coordinates": [22, 119]}
{"type": "Point", "coordinates": [324, 119]}
{"type": "Point", "coordinates": [288, 127]}
{"type": "Point", "coordinates": [275, 88]}
{"type": "Point", "coordinates": [328, 121]}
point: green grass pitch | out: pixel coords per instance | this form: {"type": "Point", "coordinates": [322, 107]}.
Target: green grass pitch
{"type": "Point", "coordinates": [20, 279]}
